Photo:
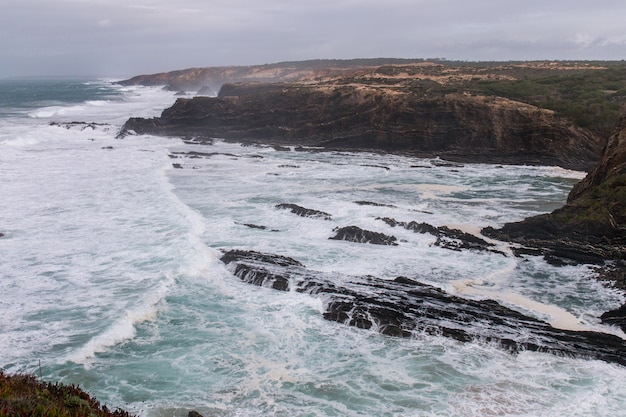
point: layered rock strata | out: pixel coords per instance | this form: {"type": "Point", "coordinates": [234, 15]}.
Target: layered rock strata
{"type": "Point", "coordinates": [359, 117]}
{"type": "Point", "coordinates": [407, 308]}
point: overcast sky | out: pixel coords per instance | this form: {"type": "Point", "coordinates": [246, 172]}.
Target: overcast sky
{"type": "Point", "coordinates": [130, 37]}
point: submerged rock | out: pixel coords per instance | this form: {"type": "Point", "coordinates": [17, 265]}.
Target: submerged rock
{"type": "Point", "coordinates": [445, 164]}
{"type": "Point", "coordinates": [358, 235]}
{"type": "Point", "coordinates": [81, 125]}
{"type": "Point", "coordinates": [447, 238]}
{"type": "Point", "coordinates": [199, 155]}
{"type": "Point", "coordinates": [304, 212]}
{"type": "Point", "coordinates": [256, 226]}
{"type": "Point", "coordinates": [407, 308]}
{"type": "Point", "coordinates": [371, 203]}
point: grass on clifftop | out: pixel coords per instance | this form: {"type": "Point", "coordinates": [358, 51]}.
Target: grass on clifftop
{"type": "Point", "coordinates": [592, 99]}
{"type": "Point", "coordinates": [589, 94]}
{"type": "Point", "coordinates": [25, 395]}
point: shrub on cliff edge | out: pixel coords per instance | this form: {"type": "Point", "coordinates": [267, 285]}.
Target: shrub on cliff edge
{"type": "Point", "coordinates": [25, 395]}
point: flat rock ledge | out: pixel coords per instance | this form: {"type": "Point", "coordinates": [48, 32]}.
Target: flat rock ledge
{"type": "Point", "coordinates": [407, 308]}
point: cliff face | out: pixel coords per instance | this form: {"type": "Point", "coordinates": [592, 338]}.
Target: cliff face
{"type": "Point", "coordinates": [359, 117]}
{"type": "Point", "coordinates": [212, 78]}
{"type": "Point", "coordinates": [611, 167]}
{"type": "Point", "coordinates": [591, 227]}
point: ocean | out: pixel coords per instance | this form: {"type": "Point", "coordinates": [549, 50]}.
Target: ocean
{"type": "Point", "coordinates": [110, 276]}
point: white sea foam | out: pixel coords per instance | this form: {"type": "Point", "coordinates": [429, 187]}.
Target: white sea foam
{"type": "Point", "coordinates": [123, 329]}
{"type": "Point", "coordinates": [18, 142]}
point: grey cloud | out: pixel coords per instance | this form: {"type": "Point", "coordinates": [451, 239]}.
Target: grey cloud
{"type": "Point", "coordinates": [137, 36]}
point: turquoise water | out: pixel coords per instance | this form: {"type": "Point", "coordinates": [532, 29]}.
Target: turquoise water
{"type": "Point", "coordinates": [110, 273]}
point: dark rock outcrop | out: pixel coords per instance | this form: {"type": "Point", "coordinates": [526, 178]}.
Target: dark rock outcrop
{"type": "Point", "coordinates": [304, 212]}
{"type": "Point", "coordinates": [372, 203]}
{"type": "Point", "coordinates": [360, 117]}
{"type": "Point", "coordinates": [357, 235]}
{"type": "Point", "coordinates": [81, 125]}
{"type": "Point", "coordinates": [447, 238]}
{"type": "Point", "coordinates": [198, 155]}
{"type": "Point", "coordinates": [615, 317]}
{"type": "Point", "coordinates": [591, 227]}
{"type": "Point", "coordinates": [261, 269]}
{"type": "Point", "coordinates": [405, 308]}
{"type": "Point", "coordinates": [256, 226]}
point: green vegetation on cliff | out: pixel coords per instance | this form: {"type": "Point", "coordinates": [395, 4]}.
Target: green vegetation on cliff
{"type": "Point", "coordinates": [25, 395]}
{"type": "Point", "coordinates": [589, 95]}
{"type": "Point", "coordinates": [602, 204]}
{"type": "Point", "coordinates": [591, 98]}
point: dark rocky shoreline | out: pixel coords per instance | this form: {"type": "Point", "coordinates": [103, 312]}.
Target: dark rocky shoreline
{"type": "Point", "coordinates": [407, 308]}
{"type": "Point", "coordinates": [590, 228]}
{"type": "Point", "coordinates": [356, 118]}
{"type": "Point", "coordinates": [343, 114]}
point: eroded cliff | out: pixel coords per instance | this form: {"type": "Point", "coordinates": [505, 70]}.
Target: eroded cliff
{"type": "Point", "coordinates": [591, 227]}
{"type": "Point", "coordinates": [212, 78]}
{"type": "Point", "coordinates": [352, 116]}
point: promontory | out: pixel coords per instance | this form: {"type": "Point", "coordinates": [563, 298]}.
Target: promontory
{"type": "Point", "coordinates": [491, 113]}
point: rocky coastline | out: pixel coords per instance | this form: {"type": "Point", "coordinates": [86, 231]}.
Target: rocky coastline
{"type": "Point", "coordinates": [407, 308]}
{"type": "Point", "coordinates": [397, 112]}
{"type": "Point", "coordinates": [457, 127]}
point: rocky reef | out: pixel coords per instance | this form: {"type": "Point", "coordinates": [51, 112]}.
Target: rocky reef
{"type": "Point", "coordinates": [457, 127]}
{"type": "Point", "coordinates": [303, 211]}
{"type": "Point", "coordinates": [406, 308]}
{"type": "Point", "coordinates": [358, 235]}
{"type": "Point", "coordinates": [447, 238]}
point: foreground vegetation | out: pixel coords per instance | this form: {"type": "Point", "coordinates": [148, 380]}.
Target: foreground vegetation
{"type": "Point", "coordinates": [25, 395]}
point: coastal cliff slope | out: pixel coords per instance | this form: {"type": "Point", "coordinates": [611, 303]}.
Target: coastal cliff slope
{"type": "Point", "coordinates": [359, 116]}
{"type": "Point", "coordinates": [591, 227]}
